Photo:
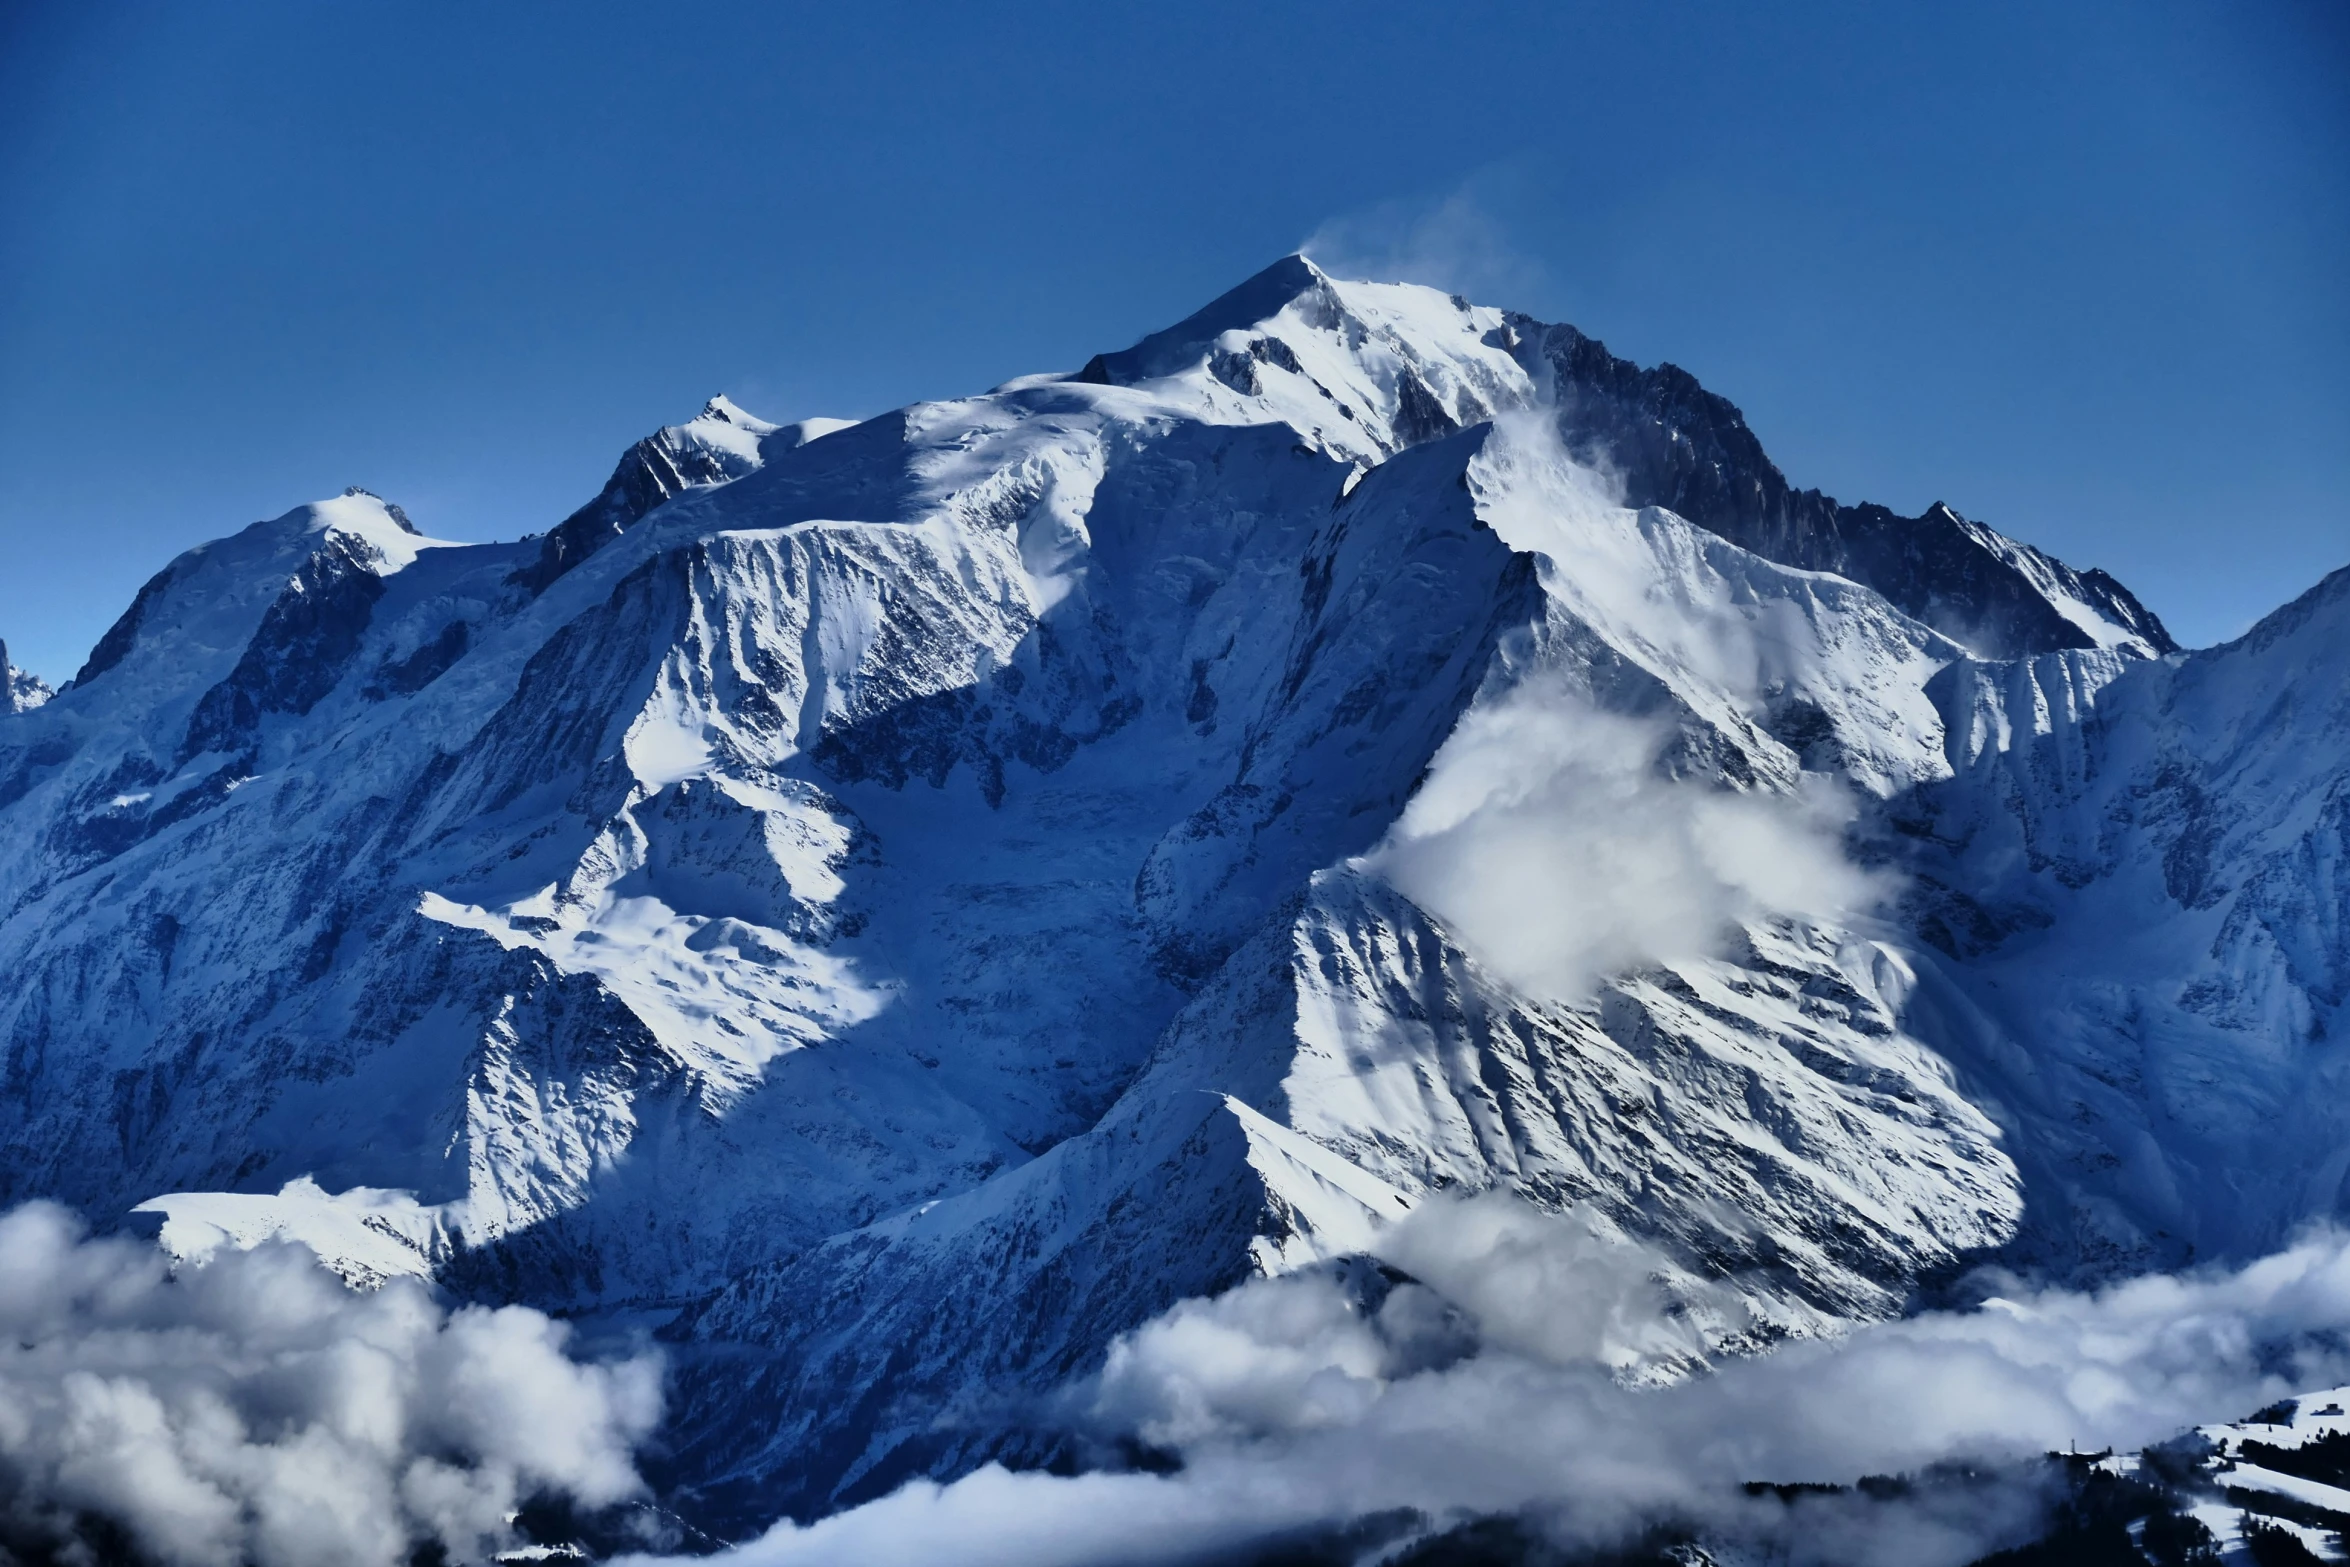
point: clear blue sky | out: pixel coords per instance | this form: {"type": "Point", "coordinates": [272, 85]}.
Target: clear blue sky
{"type": "Point", "coordinates": [2081, 270]}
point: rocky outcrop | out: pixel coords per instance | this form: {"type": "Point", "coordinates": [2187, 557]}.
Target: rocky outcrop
{"type": "Point", "coordinates": [20, 689]}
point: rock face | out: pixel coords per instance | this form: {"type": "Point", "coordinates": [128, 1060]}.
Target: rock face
{"type": "Point", "coordinates": [903, 903]}
{"type": "Point", "coordinates": [1678, 446]}
{"type": "Point", "coordinates": [20, 689]}
{"type": "Point", "coordinates": [720, 443]}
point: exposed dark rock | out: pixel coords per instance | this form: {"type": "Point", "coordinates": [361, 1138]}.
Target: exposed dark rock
{"type": "Point", "coordinates": [1418, 415]}
{"type": "Point", "coordinates": [427, 664]}
{"type": "Point", "coordinates": [299, 652]}
{"type": "Point", "coordinates": [661, 466]}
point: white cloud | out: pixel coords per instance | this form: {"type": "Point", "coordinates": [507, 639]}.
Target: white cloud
{"type": "Point", "coordinates": [256, 1410]}
{"type": "Point", "coordinates": [1547, 835]}
{"type": "Point", "coordinates": [1562, 1289]}
{"type": "Point", "coordinates": [1548, 841]}
{"type": "Point", "coordinates": [1293, 1406]}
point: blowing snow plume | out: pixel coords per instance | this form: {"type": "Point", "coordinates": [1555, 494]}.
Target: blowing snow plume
{"type": "Point", "coordinates": [1455, 243]}
{"type": "Point", "coordinates": [1308, 1403]}
{"type": "Point", "coordinates": [257, 1410]}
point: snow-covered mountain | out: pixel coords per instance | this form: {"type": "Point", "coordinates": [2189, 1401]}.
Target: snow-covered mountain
{"type": "Point", "coordinates": [903, 903]}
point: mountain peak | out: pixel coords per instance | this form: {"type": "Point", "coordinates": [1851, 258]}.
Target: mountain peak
{"type": "Point", "coordinates": [399, 517]}
{"type": "Point", "coordinates": [1266, 294]}
{"type": "Point", "coordinates": [725, 410]}
{"type": "Point", "coordinates": [716, 446]}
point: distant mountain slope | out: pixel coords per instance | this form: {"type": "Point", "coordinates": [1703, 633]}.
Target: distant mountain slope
{"type": "Point", "coordinates": [2153, 940]}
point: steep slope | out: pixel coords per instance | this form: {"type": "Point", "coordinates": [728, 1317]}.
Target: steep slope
{"type": "Point", "coordinates": [2151, 943]}
{"type": "Point", "coordinates": [1676, 445]}
{"type": "Point", "coordinates": [902, 903]}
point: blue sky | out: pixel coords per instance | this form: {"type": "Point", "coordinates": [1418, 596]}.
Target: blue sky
{"type": "Point", "coordinates": [2078, 270]}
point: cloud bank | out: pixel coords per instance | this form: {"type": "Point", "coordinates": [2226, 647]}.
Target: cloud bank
{"type": "Point", "coordinates": [1299, 1402]}
{"type": "Point", "coordinates": [257, 1410]}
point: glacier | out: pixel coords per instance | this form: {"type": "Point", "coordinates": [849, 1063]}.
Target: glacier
{"type": "Point", "coordinates": [891, 906]}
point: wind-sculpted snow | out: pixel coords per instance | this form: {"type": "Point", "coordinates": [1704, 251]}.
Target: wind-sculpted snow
{"type": "Point", "coordinates": [903, 904]}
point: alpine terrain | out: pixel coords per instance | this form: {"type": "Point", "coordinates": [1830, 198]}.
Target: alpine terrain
{"type": "Point", "coordinates": [890, 907]}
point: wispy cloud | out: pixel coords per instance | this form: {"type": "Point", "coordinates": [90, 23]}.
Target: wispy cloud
{"type": "Point", "coordinates": [1551, 844]}
{"type": "Point", "coordinates": [1458, 242]}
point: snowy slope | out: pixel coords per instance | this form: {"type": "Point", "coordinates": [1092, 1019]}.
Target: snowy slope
{"type": "Point", "coordinates": [906, 902]}
{"type": "Point", "coordinates": [2135, 878]}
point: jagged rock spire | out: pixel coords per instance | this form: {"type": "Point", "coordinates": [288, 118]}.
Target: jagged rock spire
{"type": "Point", "coordinates": [20, 690]}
